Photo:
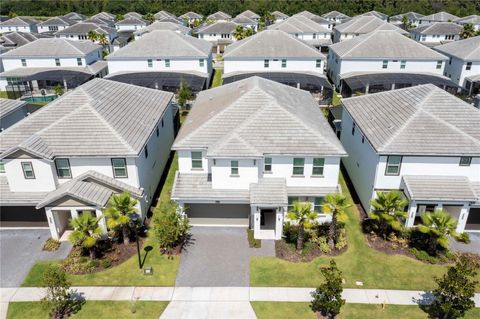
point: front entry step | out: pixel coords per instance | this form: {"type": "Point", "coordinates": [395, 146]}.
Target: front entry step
{"type": "Point", "coordinates": [264, 234]}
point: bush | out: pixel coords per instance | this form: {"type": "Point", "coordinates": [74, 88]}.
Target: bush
{"type": "Point", "coordinates": [341, 239]}
{"type": "Point", "coordinates": [463, 238]}
{"type": "Point", "coordinates": [422, 255]}
{"type": "Point", "coordinates": [51, 245]}
{"type": "Point", "coordinates": [170, 227]}
{"type": "Point", "coordinates": [57, 297]}
{"type": "Point", "coordinates": [252, 242]}
{"type": "Point", "coordinates": [106, 263]}
{"type": "Point", "coordinates": [323, 245]}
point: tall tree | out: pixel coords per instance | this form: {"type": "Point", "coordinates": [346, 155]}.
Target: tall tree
{"type": "Point", "coordinates": [119, 209]}
{"type": "Point", "coordinates": [468, 31]}
{"type": "Point", "coordinates": [184, 93]}
{"type": "Point", "coordinates": [103, 40]}
{"type": "Point", "coordinates": [86, 232]}
{"type": "Point", "coordinates": [92, 35]}
{"type": "Point", "coordinates": [305, 217]}
{"type": "Point", "coordinates": [239, 32]}
{"type": "Point", "coordinates": [439, 225]}
{"type": "Point", "coordinates": [388, 211]}
{"type": "Point", "coordinates": [335, 204]}
{"type": "Point", "coordinates": [327, 299]}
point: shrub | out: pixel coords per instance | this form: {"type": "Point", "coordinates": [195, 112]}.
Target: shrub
{"type": "Point", "coordinates": [341, 239]}
{"type": "Point", "coordinates": [327, 298]}
{"type": "Point", "coordinates": [170, 227]}
{"type": "Point", "coordinates": [106, 263]}
{"type": "Point", "coordinates": [51, 245]}
{"type": "Point", "coordinates": [464, 238]}
{"type": "Point", "coordinates": [252, 242]}
{"type": "Point", "coordinates": [422, 255]}
{"type": "Point", "coordinates": [57, 297]}
{"type": "Point", "coordinates": [323, 245]}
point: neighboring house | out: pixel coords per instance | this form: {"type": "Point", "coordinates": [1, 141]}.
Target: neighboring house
{"type": "Point", "coordinates": [15, 39]}
{"type": "Point", "coordinates": [251, 15]}
{"type": "Point", "coordinates": [463, 67]}
{"type": "Point", "coordinates": [335, 17]}
{"type": "Point", "coordinates": [161, 59]}
{"type": "Point", "coordinates": [421, 140]}
{"type": "Point", "coordinates": [11, 111]}
{"type": "Point", "coordinates": [219, 16]}
{"type": "Point", "coordinates": [131, 24]}
{"type": "Point", "coordinates": [104, 15]}
{"type": "Point", "coordinates": [383, 60]}
{"type": "Point", "coordinates": [157, 25]}
{"type": "Point", "coordinates": [438, 17]}
{"type": "Point", "coordinates": [361, 25]}
{"type": "Point", "coordinates": [75, 16]}
{"type": "Point", "coordinates": [373, 13]}
{"type": "Point", "coordinates": [80, 31]}
{"type": "Point", "coordinates": [413, 18]}
{"type": "Point", "coordinates": [278, 56]}
{"type": "Point", "coordinates": [191, 17]}
{"type": "Point", "coordinates": [119, 42]}
{"type": "Point", "coordinates": [133, 14]}
{"type": "Point", "coordinates": [436, 33]}
{"type": "Point", "coordinates": [220, 34]}
{"type": "Point", "coordinates": [279, 16]}
{"type": "Point", "coordinates": [54, 24]}
{"type": "Point", "coordinates": [20, 24]}
{"type": "Point", "coordinates": [306, 30]}
{"type": "Point", "coordinates": [474, 20]}
{"type": "Point", "coordinates": [47, 62]}
{"type": "Point", "coordinates": [248, 150]}
{"type": "Point", "coordinates": [246, 22]}
{"type": "Point", "coordinates": [101, 21]}
{"type": "Point", "coordinates": [73, 154]}
{"type": "Point", "coordinates": [160, 15]}
{"type": "Point", "coordinates": [316, 18]}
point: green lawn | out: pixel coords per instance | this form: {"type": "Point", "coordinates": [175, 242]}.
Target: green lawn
{"type": "Point", "coordinates": [217, 78]}
{"type": "Point", "coordinates": [358, 263]}
{"type": "Point", "coordinates": [92, 309]}
{"type": "Point", "coordinates": [290, 310]}
{"type": "Point", "coordinates": [336, 101]}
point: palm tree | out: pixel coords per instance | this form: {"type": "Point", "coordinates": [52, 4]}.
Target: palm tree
{"type": "Point", "coordinates": [118, 212]}
{"type": "Point", "coordinates": [468, 31]}
{"type": "Point", "coordinates": [439, 225]}
{"type": "Point", "coordinates": [304, 216]}
{"type": "Point", "coordinates": [334, 204]}
{"type": "Point", "coordinates": [86, 232]}
{"type": "Point", "coordinates": [239, 32]}
{"type": "Point", "coordinates": [92, 35]}
{"type": "Point", "coordinates": [248, 32]}
{"type": "Point", "coordinates": [388, 211]}
{"type": "Point", "coordinates": [149, 17]}
{"type": "Point", "coordinates": [268, 18]}
{"type": "Point", "coordinates": [119, 17]}
{"type": "Point", "coordinates": [103, 40]}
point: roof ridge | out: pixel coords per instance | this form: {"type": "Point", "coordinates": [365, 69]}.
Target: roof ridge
{"type": "Point", "coordinates": [73, 46]}
{"type": "Point", "coordinates": [360, 41]}
{"type": "Point", "coordinates": [184, 39]}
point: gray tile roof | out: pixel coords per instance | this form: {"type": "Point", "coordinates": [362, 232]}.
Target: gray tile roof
{"type": "Point", "coordinates": [18, 22]}
{"type": "Point", "coordinates": [10, 198]}
{"type": "Point", "coordinates": [299, 24]}
{"type": "Point", "coordinates": [163, 14]}
{"type": "Point", "coordinates": [163, 43]}
{"type": "Point", "coordinates": [219, 15]}
{"type": "Point", "coordinates": [438, 28]}
{"type": "Point", "coordinates": [410, 16]}
{"type": "Point", "coordinates": [101, 21]}
{"type": "Point", "coordinates": [316, 18]}
{"type": "Point", "coordinates": [374, 13]}
{"type": "Point", "coordinates": [55, 21]}
{"type": "Point", "coordinates": [98, 118]}
{"type": "Point", "coordinates": [17, 39]}
{"type": "Point", "coordinates": [271, 43]}
{"type": "Point", "coordinates": [269, 191]}
{"type": "Point", "coordinates": [23, 72]}
{"type": "Point", "coordinates": [420, 120]}
{"type": "Point", "coordinates": [440, 188]}
{"type": "Point", "coordinates": [219, 27]}
{"type": "Point", "coordinates": [104, 15]}
{"type": "Point", "coordinates": [82, 28]}
{"type": "Point", "coordinates": [255, 116]}
{"type": "Point", "coordinates": [54, 47]}
{"type": "Point", "coordinates": [132, 21]}
{"type": "Point", "coordinates": [440, 17]}
{"type": "Point", "coordinates": [467, 49]}
{"type": "Point", "coordinates": [75, 16]}
{"type": "Point", "coordinates": [249, 14]}
{"type": "Point", "coordinates": [91, 187]}
{"type": "Point", "coordinates": [158, 25]}
{"type": "Point", "coordinates": [335, 15]}
{"type": "Point", "coordinates": [7, 106]}
{"type": "Point", "coordinates": [241, 19]}
{"type": "Point", "coordinates": [472, 19]}
{"type": "Point", "coordinates": [191, 15]}
{"type": "Point", "coordinates": [133, 14]}
{"type": "Point", "coordinates": [384, 44]}
{"type": "Point", "coordinates": [279, 15]}
{"type": "Point", "coordinates": [366, 24]}
{"type": "Point", "coordinates": [170, 19]}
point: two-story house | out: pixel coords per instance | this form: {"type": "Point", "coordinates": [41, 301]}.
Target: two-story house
{"type": "Point", "coordinates": [13, 40]}
{"type": "Point", "coordinates": [20, 24]}
{"type": "Point", "coordinates": [54, 24]}
{"type": "Point", "coordinates": [75, 16]}
{"type": "Point", "coordinates": [412, 18]}
{"type": "Point", "coordinates": [73, 154]}
{"type": "Point", "coordinates": [336, 17]}
{"type": "Point", "coordinates": [278, 56]}
{"type": "Point", "coordinates": [316, 18]}
{"type": "Point", "coordinates": [219, 16]}
{"type": "Point", "coordinates": [463, 66]}
{"type": "Point", "coordinates": [131, 24]}
{"type": "Point", "coordinates": [384, 60]}
{"type": "Point", "coordinates": [438, 17]}
{"type": "Point", "coordinates": [436, 33]}
{"type": "Point", "coordinates": [104, 16]}
{"type": "Point", "coordinates": [158, 25]}
{"type": "Point", "coordinates": [162, 59]}
{"type": "Point", "coordinates": [191, 18]}
{"type": "Point", "coordinates": [373, 13]}
{"type": "Point", "coordinates": [473, 19]}
{"type": "Point", "coordinates": [421, 140]}
{"type": "Point", "coordinates": [248, 150]}
{"type": "Point", "coordinates": [250, 14]}
{"type": "Point", "coordinates": [219, 34]}
{"type": "Point", "coordinates": [79, 31]}
{"type": "Point", "coordinates": [279, 16]}
{"type": "Point", "coordinates": [360, 25]}
{"type": "Point", "coordinates": [246, 22]}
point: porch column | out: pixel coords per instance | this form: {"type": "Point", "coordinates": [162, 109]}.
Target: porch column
{"type": "Point", "coordinates": [65, 84]}
{"type": "Point", "coordinates": [256, 219]}
{"type": "Point", "coordinates": [367, 87]}
{"type": "Point", "coordinates": [181, 208]}
{"type": "Point", "coordinates": [51, 223]}
{"type": "Point", "coordinates": [439, 206]}
{"type": "Point", "coordinates": [412, 211]}
{"type": "Point", "coordinates": [278, 223]}
{"type": "Point", "coordinates": [74, 213]}
{"type": "Point", "coordinates": [462, 218]}
{"type": "Point", "coordinates": [102, 223]}
{"type": "Point", "coordinates": [393, 86]}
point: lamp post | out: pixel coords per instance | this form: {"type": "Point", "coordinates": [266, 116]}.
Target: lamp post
{"type": "Point", "coordinates": [134, 219]}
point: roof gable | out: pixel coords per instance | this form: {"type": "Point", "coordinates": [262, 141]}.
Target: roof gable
{"type": "Point", "coordinates": [467, 49]}
{"type": "Point", "coordinates": [366, 24]}
{"type": "Point", "coordinates": [54, 47]}
{"type": "Point", "coordinates": [299, 24]}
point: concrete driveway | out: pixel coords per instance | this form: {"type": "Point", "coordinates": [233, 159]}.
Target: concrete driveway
{"type": "Point", "coordinates": [219, 257]}
{"type": "Point", "coordinates": [20, 249]}
{"type": "Point", "coordinates": [472, 247]}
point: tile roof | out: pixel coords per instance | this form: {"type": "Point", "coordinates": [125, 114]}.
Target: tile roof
{"type": "Point", "coordinates": [438, 28]}
{"type": "Point", "coordinates": [374, 13]}
{"type": "Point", "coordinates": [366, 24]}
{"type": "Point", "coordinates": [8, 197]}
{"type": "Point", "coordinates": [17, 39]}
{"type": "Point", "coordinates": [101, 21]}
{"type": "Point", "coordinates": [335, 15]}
{"type": "Point", "coordinates": [410, 16]}
{"type": "Point", "coordinates": [133, 14]}
{"type": "Point", "coordinates": [191, 15]}
{"type": "Point", "coordinates": [269, 191]}
{"type": "Point", "coordinates": [241, 19]}
{"type": "Point", "coordinates": [299, 24]}
{"type": "Point", "coordinates": [75, 16]}
{"type": "Point", "coordinates": [54, 47]}
{"type": "Point", "coordinates": [225, 27]}
{"type": "Point", "coordinates": [163, 14]}
{"type": "Point", "coordinates": [472, 19]}
{"type": "Point", "coordinates": [467, 49]}
{"type": "Point", "coordinates": [279, 15]}
{"type": "Point", "coordinates": [163, 43]}
{"type": "Point", "coordinates": [132, 21]}
{"type": "Point", "coordinates": [384, 44]}
{"type": "Point", "coordinates": [316, 18]}
{"type": "Point", "coordinates": [84, 27]}
{"type": "Point", "coordinates": [440, 17]}
{"type": "Point", "coordinates": [219, 15]}
{"type": "Point", "coordinates": [23, 72]}
{"type": "Point", "coordinates": [440, 188]}
{"type": "Point", "coordinates": [158, 25]}
{"type": "Point", "coordinates": [272, 43]}
{"type": "Point", "coordinates": [98, 118]}
{"type": "Point", "coordinates": [104, 15]}
{"type": "Point", "coordinates": [7, 106]}
{"type": "Point", "coordinates": [57, 21]}
{"type": "Point", "coordinates": [249, 14]}
{"type": "Point", "coordinates": [420, 120]}
{"type": "Point", "coordinates": [18, 22]}
{"type": "Point", "coordinates": [255, 116]}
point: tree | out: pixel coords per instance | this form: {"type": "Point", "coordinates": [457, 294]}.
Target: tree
{"type": "Point", "coordinates": [334, 204]}
{"type": "Point", "coordinates": [268, 18]}
{"type": "Point", "coordinates": [58, 89]}
{"type": "Point", "coordinates": [103, 40]}
{"type": "Point", "coordinates": [86, 232]}
{"type": "Point", "coordinates": [92, 35]}
{"type": "Point", "coordinates": [327, 299]}
{"type": "Point", "coordinates": [439, 225]}
{"type": "Point", "coordinates": [388, 211]}
{"type": "Point", "coordinates": [468, 31]}
{"type": "Point", "coordinates": [456, 289]}
{"type": "Point", "coordinates": [248, 32]}
{"type": "Point", "coordinates": [12, 14]}
{"type": "Point", "coordinates": [57, 297]}
{"type": "Point", "coordinates": [184, 93]}
{"type": "Point", "coordinates": [239, 32]}
{"type": "Point", "coordinates": [119, 17]}
{"type": "Point", "coordinates": [149, 17]}
{"type": "Point", "coordinates": [170, 226]}
{"type": "Point", "coordinates": [303, 215]}
{"type": "Point", "coordinates": [118, 211]}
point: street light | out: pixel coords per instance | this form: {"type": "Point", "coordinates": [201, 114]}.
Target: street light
{"type": "Point", "coordinates": [134, 219]}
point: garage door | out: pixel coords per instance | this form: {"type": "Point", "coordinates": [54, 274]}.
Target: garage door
{"type": "Point", "coordinates": [22, 216]}
{"type": "Point", "coordinates": [218, 214]}
{"type": "Point", "coordinates": [473, 220]}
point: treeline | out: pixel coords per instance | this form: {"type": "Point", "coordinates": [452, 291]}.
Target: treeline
{"type": "Point", "coordinates": [233, 7]}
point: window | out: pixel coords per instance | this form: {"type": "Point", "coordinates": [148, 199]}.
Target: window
{"type": "Point", "coordinates": [267, 167]}
{"type": "Point", "coordinates": [318, 63]}
{"type": "Point", "coordinates": [63, 168]}
{"type": "Point", "coordinates": [57, 62]}
{"type": "Point", "coordinates": [314, 35]}
{"type": "Point", "coordinates": [298, 165]}
{"type": "Point", "coordinates": [385, 64]}
{"type": "Point", "coordinates": [167, 63]}
{"type": "Point", "coordinates": [393, 165]}
{"type": "Point", "coordinates": [403, 64]}
{"type": "Point", "coordinates": [2, 167]}
{"type": "Point", "coordinates": [266, 63]}
{"type": "Point", "coordinates": [318, 165]}
{"type": "Point", "coordinates": [317, 204]}
{"type": "Point", "coordinates": [363, 139]}
{"type": "Point", "coordinates": [449, 61]}
{"type": "Point", "coordinates": [234, 168]}
{"type": "Point", "coordinates": [158, 131]}
{"type": "Point", "coordinates": [162, 122]}
{"type": "Point", "coordinates": [465, 161]}
{"type": "Point", "coordinates": [27, 168]}
{"type": "Point", "coordinates": [439, 64]}
{"type": "Point", "coordinates": [424, 37]}
{"type": "Point", "coordinates": [291, 200]}
{"type": "Point", "coordinates": [469, 66]}
{"type": "Point", "coordinates": [79, 62]}
{"type": "Point", "coordinates": [119, 168]}
{"type": "Point", "coordinates": [24, 62]}
{"type": "Point", "coordinates": [146, 151]}
{"type": "Point", "coordinates": [150, 63]}
{"type": "Point", "coordinates": [201, 62]}
{"type": "Point", "coordinates": [284, 63]}
{"type": "Point", "coordinates": [196, 160]}
{"type": "Point", "coordinates": [353, 128]}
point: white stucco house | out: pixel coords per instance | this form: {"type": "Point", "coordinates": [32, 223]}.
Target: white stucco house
{"type": "Point", "coordinates": [75, 16]}
{"type": "Point", "coordinates": [161, 59]}
{"type": "Point", "coordinates": [360, 25]}
{"type": "Point", "coordinates": [191, 17]}
{"type": "Point", "coordinates": [336, 17]}
{"type": "Point", "coordinates": [436, 33]}
{"type": "Point", "coordinates": [473, 19]}
{"type": "Point", "coordinates": [219, 16]}
{"type": "Point", "coordinates": [441, 16]}
{"type": "Point", "coordinates": [316, 18]}
{"type": "Point", "coordinates": [279, 16]}
{"type": "Point", "coordinates": [421, 140]}
{"type": "Point", "coordinates": [54, 24]}
{"type": "Point", "coordinates": [246, 22]}
{"type": "Point", "coordinates": [248, 150]}
{"type": "Point", "coordinates": [11, 111]}
{"type": "Point", "coordinates": [412, 17]}
{"type": "Point", "coordinates": [73, 154]}
{"type": "Point", "coordinates": [131, 24]}
{"type": "Point", "coordinates": [20, 24]}
{"type": "Point", "coordinates": [219, 34]}
{"type": "Point", "coordinates": [158, 25]}
{"type": "Point", "coordinates": [373, 13]}
{"type": "Point", "coordinates": [79, 31]}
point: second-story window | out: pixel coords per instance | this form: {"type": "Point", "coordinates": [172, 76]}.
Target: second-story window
{"type": "Point", "coordinates": [150, 63]}
{"type": "Point", "coordinates": [353, 128]}
{"type": "Point", "coordinates": [2, 167]}
{"type": "Point", "coordinates": [266, 63]}
{"type": "Point", "coordinates": [469, 66]}
{"type": "Point", "coordinates": [167, 63]}
{"type": "Point", "coordinates": [28, 172]}
{"type": "Point", "coordinates": [119, 166]}
{"type": "Point", "coordinates": [318, 165]}
{"type": "Point", "coordinates": [267, 165]}
{"type": "Point", "coordinates": [284, 63]}
{"type": "Point", "coordinates": [465, 161]}
{"type": "Point", "coordinates": [234, 168]}
{"type": "Point", "coordinates": [63, 168]}
{"type": "Point", "coordinates": [298, 166]}
{"type": "Point", "coordinates": [57, 62]}
{"type": "Point", "coordinates": [318, 63]}
{"type": "Point", "coordinates": [146, 151]}
{"type": "Point", "coordinates": [385, 64]}
{"type": "Point", "coordinates": [24, 62]}
{"type": "Point", "coordinates": [403, 64]}
{"type": "Point", "coordinates": [197, 160]}
{"type": "Point", "coordinates": [201, 63]}
{"type": "Point", "coordinates": [79, 62]}
{"type": "Point", "coordinates": [393, 165]}
{"type": "Point", "coordinates": [439, 64]}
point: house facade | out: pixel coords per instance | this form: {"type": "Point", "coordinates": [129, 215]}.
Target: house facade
{"type": "Point", "coordinates": [131, 24]}
{"type": "Point", "coordinates": [219, 16]}
{"type": "Point", "coordinates": [474, 20]}
{"type": "Point", "coordinates": [335, 17]}
{"type": "Point", "coordinates": [438, 17]}
{"type": "Point", "coordinates": [19, 24]}
{"type": "Point", "coordinates": [360, 25]}
{"type": "Point", "coordinates": [157, 25]}
{"type": "Point", "coordinates": [436, 33]}
{"type": "Point", "coordinates": [420, 140]}
{"type": "Point", "coordinates": [219, 34]}
{"type": "Point", "coordinates": [279, 16]}
{"type": "Point", "coordinates": [243, 161]}
{"type": "Point", "coordinates": [79, 31]}
{"type": "Point", "coordinates": [413, 18]}
{"type": "Point", "coordinates": [54, 24]}
{"type": "Point", "coordinates": [73, 154]}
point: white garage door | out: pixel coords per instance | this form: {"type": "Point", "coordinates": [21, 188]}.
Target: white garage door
{"type": "Point", "coordinates": [218, 214]}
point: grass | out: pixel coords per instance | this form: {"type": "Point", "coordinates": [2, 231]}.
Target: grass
{"type": "Point", "coordinates": [287, 310]}
{"type": "Point", "coordinates": [252, 242]}
{"type": "Point", "coordinates": [3, 95]}
{"type": "Point", "coordinates": [217, 78]}
{"type": "Point", "coordinates": [336, 100]}
{"type": "Point", "coordinates": [359, 263]}
{"type": "Point", "coordinates": [92, 309]}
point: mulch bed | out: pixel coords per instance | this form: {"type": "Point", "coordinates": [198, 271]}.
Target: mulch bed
{"type": "Point", "coordinates": [388, 247]}
{"type": "Point", "coordinates": [286, 251]}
